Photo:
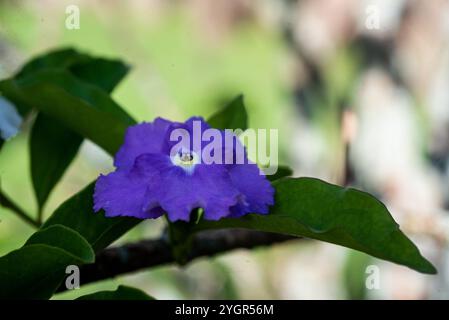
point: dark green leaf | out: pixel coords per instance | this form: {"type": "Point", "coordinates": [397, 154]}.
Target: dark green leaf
{"type": "Point", "coordinates": [52, 145]}
{"type": "Point", "coordinates": [312, 208]}
{"type": "Point", "coordinates": [52, 149]}
{"type": "Point", "coordinates": [64, 238]}
{"type": "Point", "coordinates": [10, 90]}
{"type": "Point", "coordinates": [77, 213]}
{"type": "Point", "coordinates": [282, 172]}
{"type": "Point", "coordinates": [111, 72]}
{"type": "Point", "coordinates": [233, 116]}
{"type": "Point", "coordinates": [36, 270]}
{"type": "Point", "coordinates": [104, 73]}
{"type": "Point", "coordinates": [60, 59]}
{"type": "Point", "coordinates": [95, 115]}
{"type": "Point", "coordinates": [66, 83]}
{"type": "Point", "coordinates": [18, 281]}
{"type": "Point", "coordinates": [122, 293]}
{"type": "Point", "coordinates": [82, 107]}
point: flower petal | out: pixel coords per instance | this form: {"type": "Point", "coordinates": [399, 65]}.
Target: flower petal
{"type": "Point", "coordinates": [257, 191]}
{"type": "Point", "coordinates": [10, 119]}
{"type": "Point", "coordinates": [121, 193]}
{"type": "Point", "coordinates": [148, 183]}
{"type": "Point", "coordinates": [189, 137]}
{"type": "Point", "coordinates": [140, 139]}
{"type": "Point", "coordinates": [178, 192]}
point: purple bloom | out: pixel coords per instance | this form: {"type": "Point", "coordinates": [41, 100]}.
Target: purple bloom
{"type": "Point", "coordinates": [156, 174]}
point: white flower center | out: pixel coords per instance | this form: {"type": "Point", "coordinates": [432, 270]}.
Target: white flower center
{"type": "Point", "coordinates": [186, 159]}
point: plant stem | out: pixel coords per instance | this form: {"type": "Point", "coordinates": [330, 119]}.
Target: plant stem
{"type": "Point", "coordinates": [132, 257]}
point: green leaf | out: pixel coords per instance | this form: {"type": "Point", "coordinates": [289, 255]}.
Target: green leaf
{"type": "Point", "coordinates": [53, 248]}
{"type": "Point", "coordinates": [104, 73]}
{"type": "Point", "coordinates": [52, 145]}
{"type": "Point", "coordinates": [9, 89]}
{"type": "Point", "coordinates": [82, 107]}
{"type": "Point", "coordinates": [65, 238]}
{"type": "Point", "coordinates": [121, 293]}
{"type": "Point", "coordinates": [77, 213]}
{"type": "Point", "coordinates": [52, 149]}
{"type": "Point", "coordinates": [282, 172]}
{"type": "Point", "coordinates": [36, 270]}
{"type": "Point", "coordinates": [233, 116]}
{"type": "Point", "coordinates": [61, 59]}
{"type": "Point", "coordinates": [18, 281]}
{"type": "Point", "coordinates": [90, 112]}
{"type": "Point", "coordinates": [307, 207]}
{"type": "Point", "coordinates": [84, 92]}
{"type": "Point", "coordinates": [109, 72]}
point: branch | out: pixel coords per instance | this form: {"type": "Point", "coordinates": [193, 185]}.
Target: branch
{"type": "Point", "coordinates": [8, 203]}
{"type": "Point", "coordinates": [144, 254]}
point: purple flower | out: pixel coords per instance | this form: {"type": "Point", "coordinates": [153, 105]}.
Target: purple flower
{"type": "Point", "coordinates": [165, 167]}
